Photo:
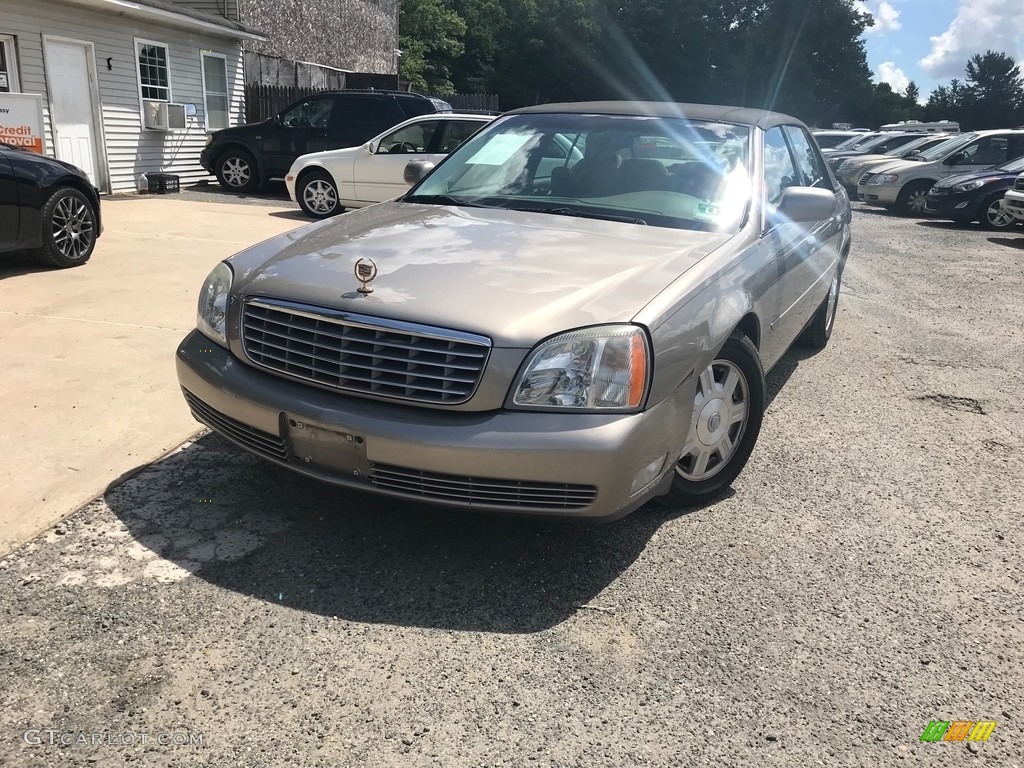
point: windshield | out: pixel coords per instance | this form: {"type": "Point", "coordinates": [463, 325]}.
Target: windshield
{"type": "Point", "coordinates": [1014, 166]}
{"type": "Point", "coordinates": [939, 151]}
{"type": "Point", "coordinates": [666, 172]}
{"type": "Point", "coordinates": [913, 146]}
{"type": "Point", "coordinates": [854, 141]}
{"type": "Point", "coordinates": [874, 141]}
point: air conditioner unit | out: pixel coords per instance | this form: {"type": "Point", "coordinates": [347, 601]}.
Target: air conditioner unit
{"type": "Point", "coordinates": [161, 116]}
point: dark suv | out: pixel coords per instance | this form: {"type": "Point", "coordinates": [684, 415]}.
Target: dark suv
{"type": "Point", "coordinates": [248, 155]}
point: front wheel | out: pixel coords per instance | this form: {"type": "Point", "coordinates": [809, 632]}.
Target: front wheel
{"type": "Point", "coordinates": [994, 215]}
{"type": "Point", "coordinates": [236, 171]}
{"type": "Point", "coordinates": [69, 229]}
{"type": "Point", "coordinates": [318, 195]}
{"type": "Point", "coordinates": [727, 411]}
{"type": "Point", "coordinates": [911, 200]}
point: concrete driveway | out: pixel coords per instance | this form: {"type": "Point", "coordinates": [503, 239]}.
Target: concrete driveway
{"type": "Point", "coordinates": [89, 391]}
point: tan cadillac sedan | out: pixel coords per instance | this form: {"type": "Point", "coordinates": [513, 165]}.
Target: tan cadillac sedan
{"type": "Point", "coordinates": [570, 315]}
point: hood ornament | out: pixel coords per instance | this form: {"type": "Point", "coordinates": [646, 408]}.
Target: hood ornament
{"type": "Point", "coordinates": [366, 273]}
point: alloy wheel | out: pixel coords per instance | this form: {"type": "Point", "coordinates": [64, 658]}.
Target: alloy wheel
{"type": "Point", "coordinates": [236, 171]}
{"type": "Point", "coordinates": [320, 197]}
{"type": "Point", "coordinates": [997, 216]}
{"type": "Point", "coordinates": [721, 410]}
{"type": "Point", "coordinates": [72, 228]}
{"type": "Point", "coordinates": [916, 201]}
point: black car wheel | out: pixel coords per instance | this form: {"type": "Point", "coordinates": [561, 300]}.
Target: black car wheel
{"type": "Point", "coordinates": [69, 229]}
{"type": "Point", "coordinates": [994, 215]}
{"type": "Point", "coordinates": [911, 200]}
{"type": "Point", "coordinates": [318, 195]}
{"type": "Point", "coordinates": [236, 170]}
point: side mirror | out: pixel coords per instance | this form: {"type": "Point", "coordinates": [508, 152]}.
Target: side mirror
{"type": "Point", "coordinates": [803, 205]}
{"type": "Point", "coordinates": [956, 159]}
{"type": "Point", "coordinates": [416, 171]}
{"type": "Point", "coordinates": [370, 147]}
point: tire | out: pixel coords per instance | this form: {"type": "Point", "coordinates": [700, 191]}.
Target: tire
{"type": "Point", "coordinates": [819, 330]}
{"type": "Point", "coordinates": [236, 171]}
{"type": "Point", "coordinates": [910, 201]}
{"type": "Point", "coordinates": [317, 194]}
{"type": "Point", "coordinates": [713, 422]}
{"type": "Point", "coordinates": [69, 229]}
{"type": "Point", "coordinates": [992, 215]}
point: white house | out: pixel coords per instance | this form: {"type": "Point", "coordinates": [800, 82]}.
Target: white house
{"type": "Point", "coordinates": [128, 86]}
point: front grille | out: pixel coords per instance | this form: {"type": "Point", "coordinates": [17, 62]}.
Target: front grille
{"type": "Point", "coordinates": [479, 491]}
{"type": "Point", "coordinates": [363, 354]}
{"type": "Point", "coordinates": [1019, 183]}
{"type": "Point", "coordinates": [254, 439]}
{"type": "Point", "coordinates": [865, 177]}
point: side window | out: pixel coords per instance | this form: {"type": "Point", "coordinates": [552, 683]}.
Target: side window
{"type": "Point", "coordinates": [810, 166]}
{"type": "Point", "coordinates": [779, 171]}
{"type": "Point", "coordinates": [991, 150]}
{"type": "Point", "coordinates": [311, 113]}
{"type": "Point", "coordinates": [409, 140]}
{"type": "Point", "coordinates": [1016, 146]}
{"type": "Point", "coordinates": [456, 132]}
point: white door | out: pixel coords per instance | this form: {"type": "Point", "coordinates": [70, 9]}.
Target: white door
{"type": "Point", "coordinates": [72, 112]}
{"type": "Point", "coordinates": [380, 176]}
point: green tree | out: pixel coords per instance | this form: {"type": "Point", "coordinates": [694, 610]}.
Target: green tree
{"type": "Point", "coordinates": [913, 93]}
{"type": "Point", "coordinates": [996, 90]}
{"type": "Point", "coordinates": [431, 39]}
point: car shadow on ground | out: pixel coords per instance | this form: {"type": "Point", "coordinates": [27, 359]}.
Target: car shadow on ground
{"type": "Point", "coordinates": [293, 215]}
{"type": "Point", "coordinates": [260, 530]}
{"type": "Point", "coordinates": [15, 263]}
{"type": "Point", "coordinates": [1010, 242]}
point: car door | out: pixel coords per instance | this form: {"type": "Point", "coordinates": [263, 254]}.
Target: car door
{"type": "Point", "coordinates": [794, 247]}
{"type": "Point", "coordinates": [299, 130]}
{"type": "Point", "coordinates": [380, 171]}
{"type": "Point", "coordinates": [980, 154]}
{"type": "Point", "coordinates": [10, 215]}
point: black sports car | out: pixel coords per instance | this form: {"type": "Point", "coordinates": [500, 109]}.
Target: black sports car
{"type": "Point", "coordinates": [48, 207]}
{"type": "Point", "coordinates": [975, 196]}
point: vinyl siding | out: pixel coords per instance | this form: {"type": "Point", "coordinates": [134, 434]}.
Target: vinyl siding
{"type": "Point", "coordinates": [130, 150]}
{"type": "Point", "coordinates": [227, 9]}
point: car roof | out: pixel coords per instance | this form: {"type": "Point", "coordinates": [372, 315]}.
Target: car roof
{"type": "Point", "coordinates": [762, 118]}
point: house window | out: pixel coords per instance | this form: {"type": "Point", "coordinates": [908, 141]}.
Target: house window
{"type": "Point", "coordinates": [215, 91]}
{"type": "Point", "coordinates": [154, 72]}
{"type": "Point", "coordinates": [8, 66]}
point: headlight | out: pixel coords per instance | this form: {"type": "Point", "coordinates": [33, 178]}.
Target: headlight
{"type": "Point", "coordinates": [598, 368]}
{"type": "Point", "coordinates": [209, 139]}
{"type": "Point", "coordinates": [846, 165]}
{"type": "Point", "coordinates": [967, 186]}
{"type": "Point", "coordinates": [213, 304]}
{"type": "Point", "coordinates": [884, 178]}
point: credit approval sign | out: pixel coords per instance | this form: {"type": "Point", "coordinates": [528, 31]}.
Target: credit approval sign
{"type": "Point", "coordinates": [21, 120]}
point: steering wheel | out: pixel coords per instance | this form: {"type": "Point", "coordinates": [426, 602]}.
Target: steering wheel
{"type": "Point", "coordinates": [408, 146]}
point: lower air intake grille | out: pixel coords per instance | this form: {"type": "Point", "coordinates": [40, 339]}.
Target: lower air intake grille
{"type": "Point", "coordinates": [482, 491]}
{"type": "Point", "coordinates": [255, 440]}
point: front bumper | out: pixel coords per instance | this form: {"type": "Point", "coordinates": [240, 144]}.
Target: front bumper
{"type": "Point", "coordinates": [206, 158]}
{"type": "Point", "coordinates": [573, 465]}
{"type": "Point", "coordinates": [961, 205]}
{"type": "Point", "coordinates": [878, 194]}
{"type": "Point", "coordinates": [1013, 202]}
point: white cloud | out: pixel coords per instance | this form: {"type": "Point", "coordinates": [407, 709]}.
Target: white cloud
{"type": "Point", "coordinates": [887, 18]}
{"type": "Point", "coordinates": [980, 25]}
{"type": "Point", "coordinates": [889, 73]}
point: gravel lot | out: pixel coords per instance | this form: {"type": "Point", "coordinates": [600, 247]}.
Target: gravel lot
{"type": "Point", "coordinates": [863, 578]}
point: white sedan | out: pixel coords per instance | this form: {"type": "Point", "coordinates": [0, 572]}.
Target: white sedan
{"type": "Point", "coordinates": [326, 183]}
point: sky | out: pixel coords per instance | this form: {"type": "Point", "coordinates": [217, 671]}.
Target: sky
{"type": "Point", "coordinates": [930, 41]}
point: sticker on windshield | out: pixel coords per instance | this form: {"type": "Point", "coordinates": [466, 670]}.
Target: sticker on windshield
{"type": "Point", "coordinates": [499, 149]}
{"type": "Point", "coordinates": [707, 212]}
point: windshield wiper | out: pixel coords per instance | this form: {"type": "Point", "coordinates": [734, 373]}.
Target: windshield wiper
{"type": "Point", "coordinates": [566, 211]}
{"type": "Point", "coordinates": [446, 200]}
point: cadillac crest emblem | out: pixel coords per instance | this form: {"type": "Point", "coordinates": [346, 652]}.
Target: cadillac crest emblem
{"type": "Point", "coordinates": [366, 273]}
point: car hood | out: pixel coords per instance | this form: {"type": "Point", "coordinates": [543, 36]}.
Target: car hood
{"type": "Point", "coordinates": [514, 276]}
{"type": "Point", "coordinates": [348, 153]}
{"type": "Point", "coordinates": [896, 166]}
{"type": "Point", "coordinates": [989, 174]}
